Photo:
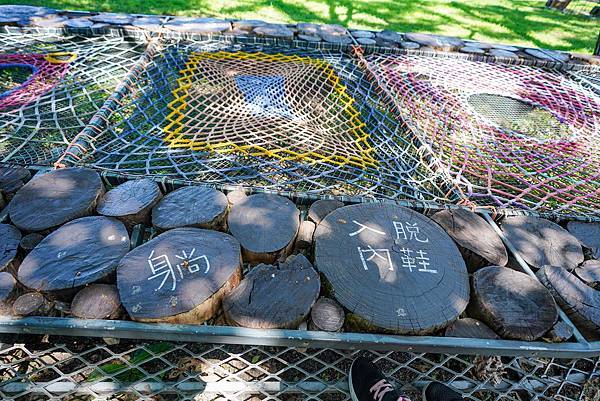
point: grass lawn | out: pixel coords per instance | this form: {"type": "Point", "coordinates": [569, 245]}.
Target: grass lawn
{"type": "Point", "coordinates": [524, 22]}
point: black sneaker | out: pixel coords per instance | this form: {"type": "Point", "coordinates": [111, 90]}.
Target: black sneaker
{"type": "Point", "coordinates": [435, 391]}
{"type": "Point", "coordinates": [367, 383]}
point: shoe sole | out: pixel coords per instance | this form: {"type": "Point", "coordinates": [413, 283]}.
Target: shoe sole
{"type": "Point", "coordinates": [352, 393]}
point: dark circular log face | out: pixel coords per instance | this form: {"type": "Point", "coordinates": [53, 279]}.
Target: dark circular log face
{"type": "Point", "coordinates": [31, 304]}
{"type": "Point", "coordinates": [321, 208]}
{"type": "Point", "coordinates": [176, 272]}
{"type": "Point", "coordinates": [588, 234]}
{"type": "Point", "coordinates": [78, 253]}
{"type": "Point", "coordinates": [55, 198]}
{"type": "Point", "coordinates": [97, 301]}
{"type": "Point", "coordinates": [7, 286]}
{"type": "Point", "coordinates": [478, 242]}
{"type": "Point", "coordinates": [514, 304]}
{"type": "Point", "coordinates": [541, 242]}
{"type": "Point", "coordinates": [470, 328]}
{"type": "Point", "coordinates": [392, 267]}
{"type": "Point", "coordinates": [327, 315]}
{"type": "Point", "coordinates": [30, 241]}
{"type": "Point", "coordinates": [264, 223]}
{"type": "Point", "coordinates": [10, 237]}
{"type": "Point", "coordinates": [270, 297]}
{"type": "Point", "coordinates": [130, 199]}
{"type": "Point", "coordinates": [12, 178]}
{"type": "Point", "coordinates": [200, 207]}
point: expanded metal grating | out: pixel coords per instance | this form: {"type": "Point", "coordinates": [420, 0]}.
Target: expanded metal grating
{"type": "Point", "coordinates": [80, 369]}
{"type": "Point", "coordinates": [52, 85]}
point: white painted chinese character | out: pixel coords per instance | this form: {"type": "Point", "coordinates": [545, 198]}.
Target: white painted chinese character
{"type": "Point", "coordinates": [161, 266]}
{"type": "Point", "coordinates": [362, 228]}
{"type": "Point", "coordinates": [375, 253]}
{"type": "Point", "coordinates": [401, 312]}
{"type": "Point", "coordinates": [187, 261]}
{"type": "Point", "coordinates": [424, 262]}
{"type": "Point", "coordinates": [411, 229]}
{"type": "Point", "coordinates": [407, 260]}
{"type": "Point", "coordinates": [399, 227]}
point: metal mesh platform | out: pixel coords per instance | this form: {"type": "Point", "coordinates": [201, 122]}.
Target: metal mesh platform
{"type": "Point", "coordinates": [84, 370]}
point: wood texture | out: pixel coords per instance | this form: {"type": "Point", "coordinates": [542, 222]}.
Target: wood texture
{"type": "Point", "coordinates": [8, 291]}
{"type": "Point", "coordinates": [30, 241]}
{"type": "Point", "coordinates": [180, 276]}
{"type": "Point", "coordinates": [327, 315]}
{"type": "Point", "coordinates": [194, 206]}
{"type": "Point", "coordinates": [392, 267]}
{"type": "Point", "coordinates": [478, 243]}
{"type": "Point", "coordinates": [80, 252]}
{"type": "Point", "coordinates": [131, 202]}
{"type": "Point", "coordinates": [32, 304]}
{"type": "Point", "coordinates": [97, 301]}
{"type": "Point", "coordinates": [266, 227]}
{"type": "Point", "coordinates": [470, 328]}
{"type": "Point", "coordinates": [10, 237]}
{"type": "Point", "coordinates": [561, 332]}
{"type": "Point", "coordinates": [588, 234]}
{"type": "Point", "coordinates": [513, 304]}
{"type": "Point", "coordinates": [579, 301]}
{"type": "Point", "coordinates": [321, 208]}
{"type": "Point", "coordinates": [12, 179]}
{"type": "Point", "coordinates": [541, 242]}
{"type": "Point", "coordinates": [589, 272]}
{"type": "Point", "coordinates": [236, 196]}
{"type": "Point", "coordinates": [271, 297]}
{"type": "Point", "coordinates": [54, 198]}
{"type": "Point", "coordinates": [306, 232]}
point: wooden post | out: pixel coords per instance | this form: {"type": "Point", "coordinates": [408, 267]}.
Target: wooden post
{"type": "Point", "coordinates": [589, 272]}
{"type": "Point", "coordinates": [271, 297]}
{"type": "Point", "coordinates": [30, 241]}
{"type": "Point", "coordinates": [588, 235]}
{"type": "Point", "coordinates": [8, 290]}
{"type": "Point", "coordinates": [327, 315]}
{"type": "Point", "coordinates": [12, 179]}
{"type": "Point", "coordinates": [321, 208]}
{"type": "Point", "coordinates": [32, 304]}
{"type": "Point", "coordinates": [97, 301]}
{"type": "Point", "coordinates": [180, 276]}
{"type": "Point", "coordinates": [470, 328]}
{"type": "Point", "coordinates": [561, 332]}
{"type": "Point", "coordinates": [392, 268]}
{"type": "Point", "coordinates": [131, 202]}
{"type": "Point", "coordinates": [10, 237]}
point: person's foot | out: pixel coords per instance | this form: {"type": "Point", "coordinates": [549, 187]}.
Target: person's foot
{"type": "Point", "coordinates": [435, 391]}
{"type": "Point", "coordinates": [367, 383]}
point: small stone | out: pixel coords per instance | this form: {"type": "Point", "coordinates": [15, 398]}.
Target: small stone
{"type": "Point", "coordinates": [390, 36]}
{"type": "Point", "coordinates": [198, 25]}
{"type": "Point", "coordinates": [363, 34]}
{"type": "Point", "coordinates": [274, 31]}
{"type": "Point", "coordinates": [248, 24]}
{"type": "Point", "coordinates": [366, 41]}
{"type": "Point", "coordinates": [503, 54]}
{"type": "Point", "coordinates": [112, 18]}
{"type": "Point", "coordinates": [471, 50]}
{"type": "Point", "coordinates": [409, 45]}
{"type": "Point", "coordinates": [447, 43]}
{"type": "Point", "coordinates": [79, 23]}
{"type": "Point", "coordinates": [309, 38]}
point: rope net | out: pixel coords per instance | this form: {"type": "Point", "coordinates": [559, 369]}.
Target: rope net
{"type": "Point", "coordinates": [280, 118]}
{"type": "Point", "coordinates": [51, 86]}
{"type": "Point", "coordinates": [507, 135]}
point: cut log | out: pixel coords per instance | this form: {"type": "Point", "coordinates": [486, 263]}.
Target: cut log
{"type": "Point", "coordinates": [478, 243]}
{"type": "Point", "coordinates": [180, 276]}
{"type": "Point", "coordinates": [79, 253]}
{"type": "Point", "coordinates": [588, 235]}
{"type": "Point", "coordinates": [541, 242]}
{"type": "Point", "coordinates": [266, 227]}
{"type": "Point", "coordinates": [10, 237]}
{"type": "Point", "coordinates": [131, 202]}
{"type": "Point", "coordinates": [305, 235]}
{"type": "Point", "coordinates": [55, 198]}
{"type": "Point", "coordinates": [8, 290]}
{"type": "Point", "coordinates": [392, 267]}
{"type": "Point", "coordinates": [589, 272]}
{"type": "Point", "coordinates": [561, 332]}
{"type": "Point", "coordinates": [470, 328]}
{"type": "Point", "coordinates": [274, 298]}
{"type": "Point", "coordinates": [236, 196]}
{"type": "Point", "coordinates": [12, 179]}
{"type": "Point", "coordinates": [327, 315]}
{"type": "Point", "coordinates": [321, 208]}
{"type": "Point", "coordinates": [97, 301]}
{"type": "Point", "coordinates": [513, 304]}
{"type": "Point", "coordinates": [580, 302]}
{"type": "Point", "coordinates": [32, 304]}
{"type": "Point", "coordinates": [200, 207]}
{"type": "Point", "coordinates": [30, 241]}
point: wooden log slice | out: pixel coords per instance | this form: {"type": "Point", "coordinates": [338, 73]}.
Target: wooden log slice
{"type": "Point", "coordinates": [32, 304]}
{"type": "Point", "coordinates": [580, 302]}
{"type": "Point", "coordinates": [561, 332]}
{"type": "Point", "coordinates": [327, 315]}
{"type": "Point", "coordinates": [236, 196]}
{"type": "Point", "coordinates": [541, 242]}
{"type": "Point", "coordinates": [180, 276]}
{"type": "Point", "coordinates": [321, 208]}
{"type": "Point", "coordinates": [81, 252]}
{"type": "Point", "coordinates": [306, 232]}
{"type": "Point", "coordinates": [200, 207]}
{"type": "Point", "coordinates": [131, 202]}
{"type": "Point", "coordinates": [266, 226]}
{"type": "Point", "coordinates": [8, 289]}
{"type": "Point", "coordinates": [97, 301]}
{"type": "Point", "coordinates": [55, 198]}
{"type": "Point", "coordinates": [477, 241]}
{"type": "Point", "coordinates": [274, 298]}
{"type": "Point", "coordinates": [30, 241]}
{"type": "Point", "coordinates": [10, 237]}
{"type": "Point", "coordinates": [392, 267]}
{"type": "Point", "coordinates": [12, 179]}
{"type": "Point", "coordinates": [588, 235]}
{"type": "Point", "coordinates": [513, 304]}
{"type": "Point", "coordinates": [470, 328]}
{"type": "Point", "coordinates": [589, 272]}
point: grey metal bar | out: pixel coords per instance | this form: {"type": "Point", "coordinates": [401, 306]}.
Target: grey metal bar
{"type": "Point", "coordinates": [292, 338]}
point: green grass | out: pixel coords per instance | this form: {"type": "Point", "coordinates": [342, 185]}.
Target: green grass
{"type": "Point", "coordinates": [523, 22]}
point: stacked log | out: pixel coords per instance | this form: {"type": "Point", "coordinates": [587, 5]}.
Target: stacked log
{"type": "Point", "coordinates": [131, 202]}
